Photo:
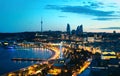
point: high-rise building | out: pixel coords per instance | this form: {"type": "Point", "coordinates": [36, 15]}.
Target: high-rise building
{"type": "Point", "coordinates": [68, 29]}
{"type": "Point", "coordinates": [79, 30]}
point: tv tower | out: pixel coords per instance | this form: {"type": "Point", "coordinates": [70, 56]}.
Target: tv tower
{"type": "Point", "coordinates": [41, 25]}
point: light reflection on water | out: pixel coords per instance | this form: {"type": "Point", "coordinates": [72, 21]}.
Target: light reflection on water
{"type": "Point", "coordinates": [6, 65]}
{"type": "Point", "coordinates": [85, 73]}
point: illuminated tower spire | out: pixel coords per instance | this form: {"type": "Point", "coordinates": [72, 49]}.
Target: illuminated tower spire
{"type": "Point", "coordinates": [61, 53]}
{"type": "Point", "coordinates": [41, 25]}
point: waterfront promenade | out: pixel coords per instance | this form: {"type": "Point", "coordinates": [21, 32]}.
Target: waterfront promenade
{"type": "Point", "coordinates": [33, 69]}
{"type": "Point", "coordinates": [55, 54]}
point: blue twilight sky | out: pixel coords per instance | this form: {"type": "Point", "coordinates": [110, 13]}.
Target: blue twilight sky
{"type": "Point", "coordinates": [25, 15]}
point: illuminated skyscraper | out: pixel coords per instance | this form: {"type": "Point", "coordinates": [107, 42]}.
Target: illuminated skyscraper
{"type": "Point", "coordinates": [68, 29]}
{"type": "Point", "coordinates": [79, 30]}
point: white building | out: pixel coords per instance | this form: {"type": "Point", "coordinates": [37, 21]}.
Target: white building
{"type": "Point", "coordinates": [90, 39]}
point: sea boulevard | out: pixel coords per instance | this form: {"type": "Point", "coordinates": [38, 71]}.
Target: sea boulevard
{"type": "Point", "coordinates": [42, 66]}
{"type": "Point", "coordinates": [55, 50]}
{"type": "Point", "coordinates": [37, 68]}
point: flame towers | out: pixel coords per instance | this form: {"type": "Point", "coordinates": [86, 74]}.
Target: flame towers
{"type": "Point", "coordinates": [68, 29]}
{"type": "Point", "coordinates": [79, 30]}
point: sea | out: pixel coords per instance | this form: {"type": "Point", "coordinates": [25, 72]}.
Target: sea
{"type": "Point", "coordinates": [7, 65]}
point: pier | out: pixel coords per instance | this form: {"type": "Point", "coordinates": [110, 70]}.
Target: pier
{"type": "Point", "coordinates": [28, 59]}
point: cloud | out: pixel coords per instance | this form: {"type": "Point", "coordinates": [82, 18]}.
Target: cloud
{"type": "Point", "coordinates": [102, 5]}
{"type": "Point", "coordinates": [95, 4]}
{"type": "Point", "coordinates": [62, 16]}
{"type": "Point", "coordinates": [111, 28]}
{"type": "Point", "coordinates": [81, 10]}
{"type": "Point", "coordinates": [112, 6]}
{"type": "Point", "coordinates": [105, 19]}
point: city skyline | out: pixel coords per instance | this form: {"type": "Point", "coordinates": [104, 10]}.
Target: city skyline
{"type": "Point", "coordinates": [25, 15]}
